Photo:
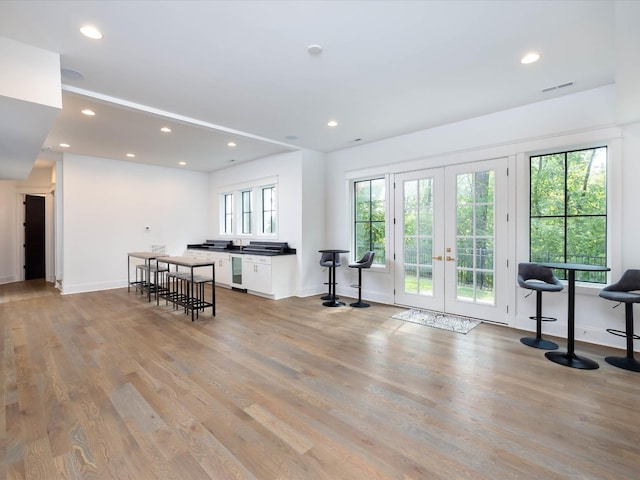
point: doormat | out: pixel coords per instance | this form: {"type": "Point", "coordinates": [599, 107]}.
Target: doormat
{"type": "Point", "coordinates": [438, 320]}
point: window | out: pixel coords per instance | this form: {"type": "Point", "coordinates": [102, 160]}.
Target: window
{"type": "Point", "coordinates": [228, 213]}
{"type": "Point", "coordinates": [568, 209]}
{"type": "Point", "coordinates": [369, 219]}
{"type": "Point", "coordinates": [268, 210]}
{"type": "Point", "coordinates": [247, 210]}
{"type": "Point", "coordinates": [237, 209]}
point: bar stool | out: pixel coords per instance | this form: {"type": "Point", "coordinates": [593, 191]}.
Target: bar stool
{"type": "Point", "coordinates": [621, 291]}
{"type": "Point", "coordinates": [364, 262]}
{"type": "Point", "coordinates": [197, 300]}
{"type": "Point", "coordinates": [327, 261]}
{"type": "Point", "coordinates": [178, 289]}
{"type": "Point", "coordinates": [150, 275]}
{"type": "Point", "coordinates": [539, 279]}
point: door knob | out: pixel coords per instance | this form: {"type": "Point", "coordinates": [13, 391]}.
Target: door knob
{"type": "Point", "coordinates": [439, 257]}
{"type": "Point", "coordinates": [450, 259]}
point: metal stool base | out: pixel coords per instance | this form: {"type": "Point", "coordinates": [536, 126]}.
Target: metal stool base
{"type": "Point", "coordinates": [626, 363]}
{"type": "Point", "coordinates": [359, 305]}
{"type": "Point", "coordinates": [539, 343]}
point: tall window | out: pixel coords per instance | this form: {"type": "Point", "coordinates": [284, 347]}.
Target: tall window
{"type": "Point", "coordinates": [247, 210]}
{"type": "Point", "coordinates": [369, 214]}
{"type": "Point", "coordinates": [268, 210]}
{"type": "Point", "coordinates": [568, 209]}
{"type": "Point", "coordinates": [228, 213]}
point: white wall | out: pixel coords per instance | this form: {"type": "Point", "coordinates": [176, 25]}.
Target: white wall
{"type": "Point", "coordinates": [565, 122]}
{"type": "Point", "coordinates": [8, 235]}
{"type": "Point", "coordinates": [108, 203]}
{"type": "Point", "coordinates": [314, 222]}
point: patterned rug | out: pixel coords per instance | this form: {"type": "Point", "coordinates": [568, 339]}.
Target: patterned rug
{"type": "Point", "coordinates": [438, 320]}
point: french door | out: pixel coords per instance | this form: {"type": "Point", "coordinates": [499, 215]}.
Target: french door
{"type": "Point", "coordinates": [450, 239]}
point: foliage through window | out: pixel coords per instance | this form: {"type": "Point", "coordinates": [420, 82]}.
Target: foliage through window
{"type": "Point", "coordinates": [568, 209]}
{"type": "Point", "coordinates": [370, 221]}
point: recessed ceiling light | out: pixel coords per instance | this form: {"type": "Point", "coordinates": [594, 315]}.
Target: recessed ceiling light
{"type": "Point", "coordinates": [131, 155]}
{"type": "Point", "coordinates": [91, 32]}
{"type": "Point", "coordinates": [88, 112]}
{"type": "Point", "coordinates": [182, 163]}
{"type": "Point", "coordinates": [165, 129]}
{"type": "Point", "coordinates": [332, 123]}
{"type": "Point", "coordinates": [314, 49]}
{"type": "Point", "coordinates": [65, 145]}
{"type": "Point", "coordinates": [530, 58]}
{"type": "Point", "coordinates": [231, 144]}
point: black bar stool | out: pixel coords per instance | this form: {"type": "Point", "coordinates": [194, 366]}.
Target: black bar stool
{"type": "Point", "coordinates": [539, 279]}
{"type": "Point", "coordinates": [364, 262]}
{"type": "Point", "coordinates": [327, 261]}
{"type": "Point", "coordinates": [621, 291]}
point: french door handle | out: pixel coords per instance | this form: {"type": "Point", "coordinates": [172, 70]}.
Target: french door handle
{"type": "Point", "coordinates": [439, 257]}
{"type": "Point", "coordinates": [450, 259]}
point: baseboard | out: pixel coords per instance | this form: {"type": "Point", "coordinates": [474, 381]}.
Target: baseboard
{"type": "Point", "coordinates": [9, 279]}
{"type": "Point", "coordinates": [91, 287]}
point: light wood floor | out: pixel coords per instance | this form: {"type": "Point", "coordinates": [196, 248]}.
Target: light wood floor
{"type": "Point", "coordinates": [106, 386]}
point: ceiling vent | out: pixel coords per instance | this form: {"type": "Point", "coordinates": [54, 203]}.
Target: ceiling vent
{"type": "Point", "coordinates": [556, 87]}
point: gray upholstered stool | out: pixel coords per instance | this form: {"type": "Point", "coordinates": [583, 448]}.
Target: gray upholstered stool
{"type": "Point", "coordinates": [623, 291]}
{"type": "Point", "coordinates": [539, 279]}
{"type": "Point", "coordinates": [327, 261]}
{"type": "Point", "coordinates": [364, 262]}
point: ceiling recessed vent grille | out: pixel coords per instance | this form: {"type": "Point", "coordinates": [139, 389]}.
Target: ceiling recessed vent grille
{"type": "Point", "coordinates": [557, 87]}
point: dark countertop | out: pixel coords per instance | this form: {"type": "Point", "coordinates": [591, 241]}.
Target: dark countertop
{"type": "Point", "coordinates": [237, 250]}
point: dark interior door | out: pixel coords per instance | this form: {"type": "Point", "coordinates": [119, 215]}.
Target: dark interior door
{"type": "Point", "coordinates": [34, 249]}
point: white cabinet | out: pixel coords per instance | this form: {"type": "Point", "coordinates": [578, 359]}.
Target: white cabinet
{"type": "Point", "coordinates": [269, 276]}
{"type": "Point", "coordinates": [256, 274]}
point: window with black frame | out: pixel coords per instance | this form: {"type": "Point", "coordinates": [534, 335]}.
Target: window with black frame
{"type": "Point", "coordinates": [370, 219]}
{"type": "Point", "coordinates": [568, 209]}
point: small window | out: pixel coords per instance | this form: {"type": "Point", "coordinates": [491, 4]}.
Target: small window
{"type": "Point", "coordinates": [568, 209]}
{"type": "Point", "coordinates": [268, 210]}
{"type": "Point", "coordinates": [247, 211]}
{"type": "Point", "coordinates": [369, 233]}
{"type": "Point", "coordinates": [228, 213]}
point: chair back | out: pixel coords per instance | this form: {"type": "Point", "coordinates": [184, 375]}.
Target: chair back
{"type": "Point", "coordinates": [366, 260]}
{"type": "Point", "coordinates": [533, 271]}
{"type": "Point", "coordinates": [629, 282]}
{"type": "Point", "coordinates": [326, 260]}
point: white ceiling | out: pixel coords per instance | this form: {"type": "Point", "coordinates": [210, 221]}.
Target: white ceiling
{"type": "Point", "coordinates": [216, 71]}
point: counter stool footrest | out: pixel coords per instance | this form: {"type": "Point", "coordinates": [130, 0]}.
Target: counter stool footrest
{"type": "Point", "coordinates": [622, 333]}
{"type": "Point", "coordinates": [543, 319]}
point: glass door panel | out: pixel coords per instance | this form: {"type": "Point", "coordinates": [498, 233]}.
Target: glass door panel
{"type": "Point", "coordinates": [416, 277]}
{"type": "Point", "coordinates": [476, 257]}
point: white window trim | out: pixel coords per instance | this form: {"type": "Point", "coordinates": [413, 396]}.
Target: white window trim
{"type": "Point", "coordinates": [257, 214]}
